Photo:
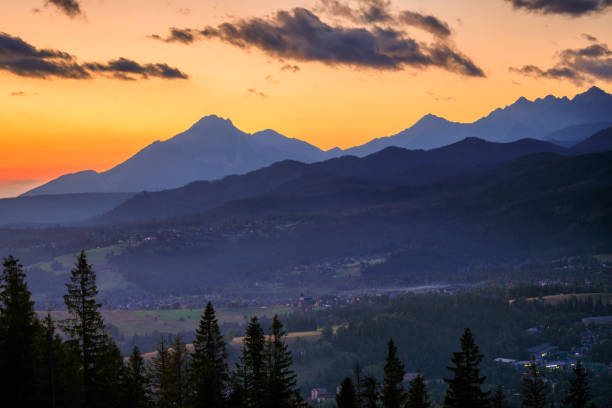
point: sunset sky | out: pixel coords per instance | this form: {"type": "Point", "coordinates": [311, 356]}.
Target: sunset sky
{"type": "Point", "coordinates": [85, 84]}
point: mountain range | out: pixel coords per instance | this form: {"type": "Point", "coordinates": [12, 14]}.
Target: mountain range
{"type": "Point", "coordinates": [389, 168]}
{"type": "Point", "coordinates": [214, 148]}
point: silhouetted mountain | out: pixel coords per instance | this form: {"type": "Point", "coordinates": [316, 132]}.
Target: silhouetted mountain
{"type": "Point", "coordinates": [211, 149]}
{"type": "Point", "coordinates": [523, 119]}
{"type": "Point", "coordinates": [57, 209]}
{"type": "Point", "coordinates": [542, 206]}
{"type": "Point", "coordinates": [389, 167]}
{"type": "Point", "coordinates": [601, 141]}
{"type": "Point", "coordinates": [572, 135]}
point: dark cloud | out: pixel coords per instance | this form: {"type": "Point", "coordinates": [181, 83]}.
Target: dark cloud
{"type": "Point", "coordinates": [589, 37]}
{"type": "Point", "coordinates": [185, 36]}
{"type": "Point", "coordinates": [71, 8]}
{"type": "Point", "coordinates": [573, 8]}
{"type": "Point", "coordinates": [23, 59]}
{"type": "Point", "coordinates": [300, 35]}
{"type": "Point", "coordinates": [257, 93]}
{"type": "Point", "coordinates": [431, 24]}
{"type": "Point", "coordinates": [124, 68]}
{"type": "Point", "coordinates": [578, 65]}
{"type": "Point", "coordinates": [290, 68]}
{"type": "Point", "coordinates": [379, 11]}
{"type": "Point", "coordinates": [368, 12]}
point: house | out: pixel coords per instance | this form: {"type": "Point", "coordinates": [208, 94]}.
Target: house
{"type": "Point", "coordinates": [542, 350]}
{"type": "Point", "coordinates": [504, 360]}
{"type": "Point", "coordinates": [321, 394]}
{"type": "Point", "coordinates": [597, 320]}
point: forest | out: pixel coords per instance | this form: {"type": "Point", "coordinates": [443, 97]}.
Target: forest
{"type": "Point", "coordinates": [76, 363]}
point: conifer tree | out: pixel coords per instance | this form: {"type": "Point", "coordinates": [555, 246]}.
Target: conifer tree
{"type": "Point", "coordinates": [18, 329]}
{"type": "Point", "coordinates": [237, 396]}
{"type": "Point", "coordinates": [534, 389]}
{"type": "Point", "coordinates": [88, 333]}
{"type": "Point", "coordinates": [578, 394]}
{"type": "Point", "coordinates": [464, 389]}
{"type": "Point", "coordinates": [358, 382]}
{"type": "Point", "coordinates": [417, 393]}
{"type": "Point", "coordinates": [161, 378]}
{"type": "Point", "coordinates": [251, 371]}
{"type": "Point", "coordinates": [210, 371]}
{"type": "Point", "coordinates": [347, 398]}
{"type": "Point", "coordinates": [393, 394]}
{"type": "Point", "coordinates": [281, 380]}
{"type": "Point", "coordinates": [136, 392]}
{"type": "Point", "coordinates": [180, 387]}
{"type": "Point", "coordinates": [499, 398]}
{"type": "Point", "coordinates": [370, 392]}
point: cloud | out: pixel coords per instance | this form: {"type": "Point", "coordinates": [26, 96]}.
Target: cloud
{"type": "Point", "coordinates": [369, 11]}
{"type": "Point", "coordinates": [23, 59]}
{"type": "Point", "coordinates": [589, 37]}
{"type": "Point", "coordinates": [290, 68]}
{"type": "Point", "coordinates": [300, 35]}
{"type": "Point", "coordinates": [574, 8]}
{"type": "Point", "coordinates": [379, 11]}
{"type": "Point", "coordinates": [593, 62]}
{"type": "Point", "coordinates": [18, 93]}
{"type": "Point", "coordinates": [256, 92]}
{"type": "Point", "coordinates": [122, 68]}
{"type": "Point", "coordinates": [428, 23]}
{"type": "Point", "coordinates": [185, 36]}
{"type": "Point", "coordinates": [71, 8]}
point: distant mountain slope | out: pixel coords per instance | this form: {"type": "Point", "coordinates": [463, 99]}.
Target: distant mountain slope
{"type": "Point", "coordinates": [543, 206]}
{"type": "Point", "coordinates": [523, 119]}
{"type": "Point", "coordinates": [57, 209]}
{"type": "Point", "coordinates": [599, 142]}
{"type": "Point", "coordinates": [392, 166]}
{"type": "Point", "coordinates": [211, 149]}
{"type": "Point", "coordinates": [573, 135]}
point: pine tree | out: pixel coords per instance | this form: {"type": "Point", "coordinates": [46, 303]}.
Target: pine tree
{"type": "Point", "coordinates": [358, 382]}
{"type": "Point", "coordinates": [180, 387]}
{"type": "Point", "coordinates": [578, 394]}
{"type": "Point", "coordinates": [499, 398]}
{"type": "Point", "coordinates": [238, 395]}
{"type": "Point", "coordinates": [393, 394]}
{"type": "Point", "coordinates": [534, 389]}
{"type": "Point", "coordinates": [87, 332]}
{"type": "Point", "coordinates": [417, 393]}
{"type": "Point", "coordinates": [281, 380]}
{"type": "Point", "coordinates": [136, 392]}
{"type": "Point", "coordinates": [347, 398]}
{"type": "Point", "coordinates": [18, 329]}
{"type": "Point", "coordinates": [464, 389]}
{"type": "Point", "coordinates": [369, 393]}
{"type": "Point", "coordinates": [210, 371]}
{"type": "Point", "coordinates": [250, 375]}
{"type": "Point", "coordinates": [161, 378]}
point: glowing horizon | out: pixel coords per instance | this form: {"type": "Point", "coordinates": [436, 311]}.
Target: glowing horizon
{"type": "Point", "coordinates": [55, 126]}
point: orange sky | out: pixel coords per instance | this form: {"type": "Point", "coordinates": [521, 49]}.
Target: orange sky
{"type": "Point", "coordinates": [55, 126]}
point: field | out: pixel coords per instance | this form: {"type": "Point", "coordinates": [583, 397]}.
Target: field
{"type": "Point", "coordinates": [130, 322]}
{"type": "Point", "coordinates": [108, 278]}
{"type": "Point", "coordinates": [555, 299]}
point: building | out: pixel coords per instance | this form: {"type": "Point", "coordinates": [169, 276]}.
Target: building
{"type": "Point", "coordinates": [321, 395]}
{"type": "Point", "coordinates": [542, 351]}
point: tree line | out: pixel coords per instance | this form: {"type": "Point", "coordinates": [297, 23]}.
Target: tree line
{"type": "Point", "coordinates": [84, 368]}
{"type": "Point", "coordinates": [464, 387]}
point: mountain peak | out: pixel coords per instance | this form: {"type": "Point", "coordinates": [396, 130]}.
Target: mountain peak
{"type": "Point", "coordinates": [213, 120]}
{"type": "Point", "coordinates": [430, 119]}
